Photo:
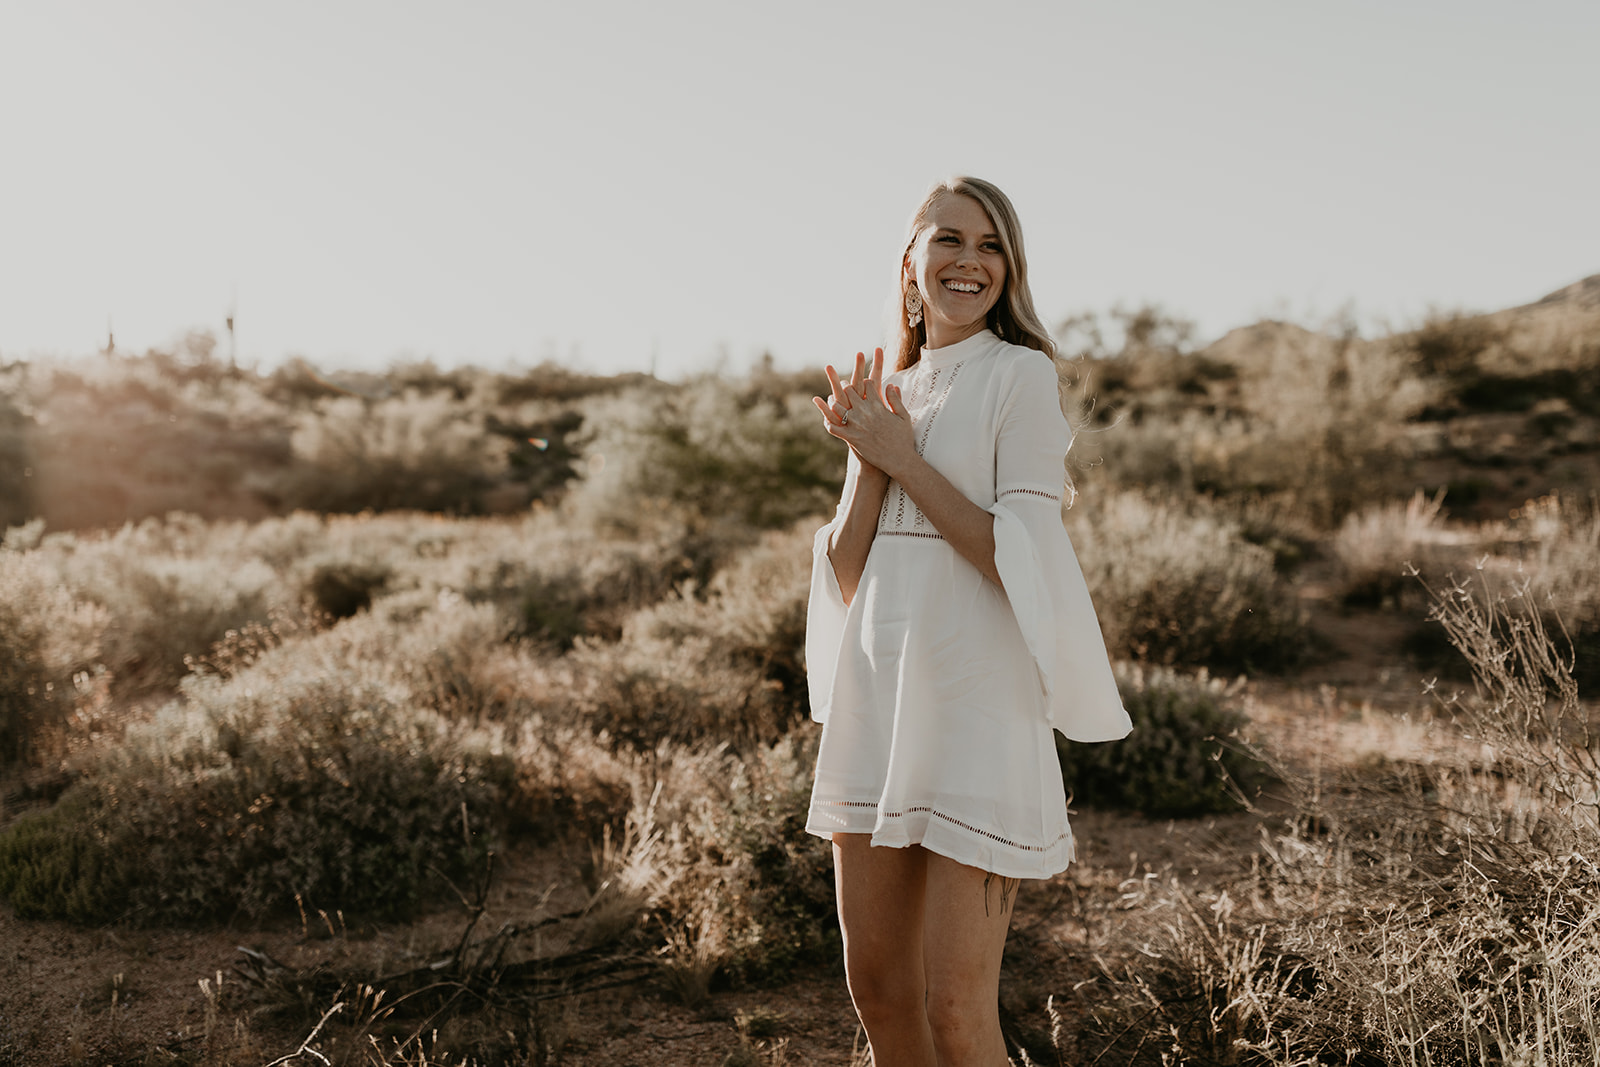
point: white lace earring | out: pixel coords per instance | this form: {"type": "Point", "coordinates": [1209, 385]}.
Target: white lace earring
{"type": "Point", "coordinates": [913, 305]}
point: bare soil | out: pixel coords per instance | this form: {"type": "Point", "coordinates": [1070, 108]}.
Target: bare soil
{"type": "Point", "coordinates": [70, 995]}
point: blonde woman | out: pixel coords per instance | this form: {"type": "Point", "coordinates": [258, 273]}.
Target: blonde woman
{"type": "Point", "coordinates": [949, 631]}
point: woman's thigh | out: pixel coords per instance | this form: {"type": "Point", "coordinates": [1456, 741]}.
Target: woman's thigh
{"type": "Point", "coordinates": [881, 899]}
{"type": "Point", "coordinates": [967, 913]}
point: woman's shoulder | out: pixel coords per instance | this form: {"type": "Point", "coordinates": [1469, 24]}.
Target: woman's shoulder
{"type": "Point", "coordinates": [1025, 366]}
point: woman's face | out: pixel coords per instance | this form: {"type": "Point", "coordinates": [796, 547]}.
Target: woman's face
{"type": "Point", "coordinates": [958, 265]}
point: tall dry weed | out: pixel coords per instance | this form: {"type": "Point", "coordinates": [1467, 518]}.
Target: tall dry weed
{"type": "Point", "coordinates": [1380, 546]}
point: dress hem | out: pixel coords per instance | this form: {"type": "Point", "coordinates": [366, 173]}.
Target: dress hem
{"type": "Point", "coordinates": [953, 840]}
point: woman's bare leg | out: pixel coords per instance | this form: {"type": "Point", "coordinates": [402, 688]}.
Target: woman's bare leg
{"type": "Point", "coordinates": [880, 892]}
{"type": "Point", "coordinates": [966, 913]}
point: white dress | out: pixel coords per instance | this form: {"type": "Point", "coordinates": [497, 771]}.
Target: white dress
{"type": "Point", "coordinates": [938, 689]}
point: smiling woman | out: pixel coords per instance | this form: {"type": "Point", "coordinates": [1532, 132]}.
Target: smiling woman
{"type": "Point", "coordinates": [949, 631]}
{"type": "Point", "coordinates": [965, 234]}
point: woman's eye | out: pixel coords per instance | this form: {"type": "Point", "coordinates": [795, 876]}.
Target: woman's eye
{"type": "Point", "coordinates": [949, 239]}
{"type": "Point", "coordinates": [991, 246]}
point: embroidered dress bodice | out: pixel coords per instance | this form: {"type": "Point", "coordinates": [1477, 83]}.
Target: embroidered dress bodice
{"type": "Point", "coordinates": [938, 688]}
{"type": "Point", "coordinates": [924, 396]}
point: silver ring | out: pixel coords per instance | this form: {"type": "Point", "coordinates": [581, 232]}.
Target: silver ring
{"type": "Point", "coordinates": [844, 418]}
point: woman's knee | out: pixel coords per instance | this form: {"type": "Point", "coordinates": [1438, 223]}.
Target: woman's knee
{"type": "Point", "coordinates": [961, 1021]}
{"type": "Point", "coordinates": [881, 990]}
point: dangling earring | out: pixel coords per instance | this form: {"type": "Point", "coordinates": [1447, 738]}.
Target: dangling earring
{"type": "Point", "coordinates": [913, 305]}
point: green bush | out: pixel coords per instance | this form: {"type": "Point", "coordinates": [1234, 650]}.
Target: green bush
{"type": "Point", "coordinates": [1176, 762]}
{"type": "Point", "coordinates": [55, 864]}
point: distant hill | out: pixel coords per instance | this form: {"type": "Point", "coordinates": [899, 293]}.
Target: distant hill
{"type": "Point", "coordinates": [1495, 407]}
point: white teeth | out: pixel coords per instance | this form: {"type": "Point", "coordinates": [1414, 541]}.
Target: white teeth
{"type": "Point", "coordinates": [962, 287]}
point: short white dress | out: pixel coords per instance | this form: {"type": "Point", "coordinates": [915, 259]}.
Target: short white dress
{"type": "Point", "coordinates": [938, 689]}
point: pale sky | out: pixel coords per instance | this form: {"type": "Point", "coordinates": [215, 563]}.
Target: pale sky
{"type": "Point", "coordinates": [501, 183]}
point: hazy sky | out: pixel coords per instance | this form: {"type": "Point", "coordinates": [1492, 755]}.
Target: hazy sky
{"type": "Point", "coordinates": [500, 183]}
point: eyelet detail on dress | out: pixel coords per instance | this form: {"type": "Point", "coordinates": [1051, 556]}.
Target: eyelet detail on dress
{"type": "Point", "coordinates": [924, 399]}
{"type": "Point", "coordinates": [936, 813]}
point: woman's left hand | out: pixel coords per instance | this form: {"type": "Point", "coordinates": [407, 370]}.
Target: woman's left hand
{"type": "Point", "coordinates": [871, 419]}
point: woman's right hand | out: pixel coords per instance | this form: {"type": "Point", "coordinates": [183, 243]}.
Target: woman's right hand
{"type": "Point", "coordinates": [846, 396]}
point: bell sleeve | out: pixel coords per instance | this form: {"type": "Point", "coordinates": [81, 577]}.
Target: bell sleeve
{"type": "Point", "coordinates": [826, 609]}
{"type": "Point", "coordinates": [1039, 570]}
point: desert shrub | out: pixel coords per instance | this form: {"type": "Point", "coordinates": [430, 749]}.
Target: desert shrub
{"type": "Point", "coordinates": [643, 688]}
{"type": "Point", "coordinates": [551, 609]}
{"type": "Point", "coordinates": [583, 585]}
{"type": "Point", "coordinates": [54, 865]}
{"type": "Point", "coordinates": [723, 666]}
{"type": "Point", "coordinates": [552, 381]}
{"type": "Point", "coordinates": [1480, 966]}
{"type": "Point", "coordinates": [1554, 544]}
{"type": "Point", "coordinates": [49, 641]}
{"type": "Point", "coordinates": [270, 786]}
{"type": "Point", "coordinates": [451, 655]}
{"type": "Point", "coordinates": [16, 466]}
{"type": "Point", "coordinates": [703, 451]}
{"type": "Point", "coordinates": [1450, 345]}
{"type": "Point", "coordinates": [714, 859]}
{"type": "Point", "coordinates": [1180, 759]}
{"type": "Point", "coordinates": [754, 608]}
{"type": "Point", "coordinates": [163, 608]}
{"type": "Point", "coordinates": [781, 901]}
{"type": "Point", "coordinates": [1181, 586]}
{"type": "Point", "coordinates": [415, 450]}
{"type": "Point", "coordinates": [1381, 546]}
{"type": "Point", "coordinates": [1326, 413]}
{"type": "Point", "coordinates": [1525, 711]}
{"type": "Point", "coordinates": [568, 779]}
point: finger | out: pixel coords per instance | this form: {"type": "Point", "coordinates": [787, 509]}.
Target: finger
{"type": "Point", "coordinates": [839, 391]}
{"type": "Point", "coordinates": [892, 396]}
{"type": "Point", "coordinates": [861, 373]}
{"type": "Point", "coordinates": [877, 364]}
{"type": "Point", "coordinates": [822, 406]}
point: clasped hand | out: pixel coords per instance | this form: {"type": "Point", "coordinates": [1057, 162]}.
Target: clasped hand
{"type": "Point", "coordinates": [871, 419]}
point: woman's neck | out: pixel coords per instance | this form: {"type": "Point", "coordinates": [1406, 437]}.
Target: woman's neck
{"type": "Point", "coordinates": [941, 336]}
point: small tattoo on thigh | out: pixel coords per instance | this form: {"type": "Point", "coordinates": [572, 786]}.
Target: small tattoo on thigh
{"type": "Point", "coordinates": [1008, 889]}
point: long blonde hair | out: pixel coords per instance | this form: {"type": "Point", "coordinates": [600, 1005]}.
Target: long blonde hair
{"type": "Point", "coordinates": [1012, 318]}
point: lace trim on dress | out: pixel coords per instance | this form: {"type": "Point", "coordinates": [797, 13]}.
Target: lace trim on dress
{"type": "Point", "coordinates": [924, 399]}
{"type": "Point", "coordinates": [936, 813]}
{"type": "Point", "coordinates": [1036, 492]}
